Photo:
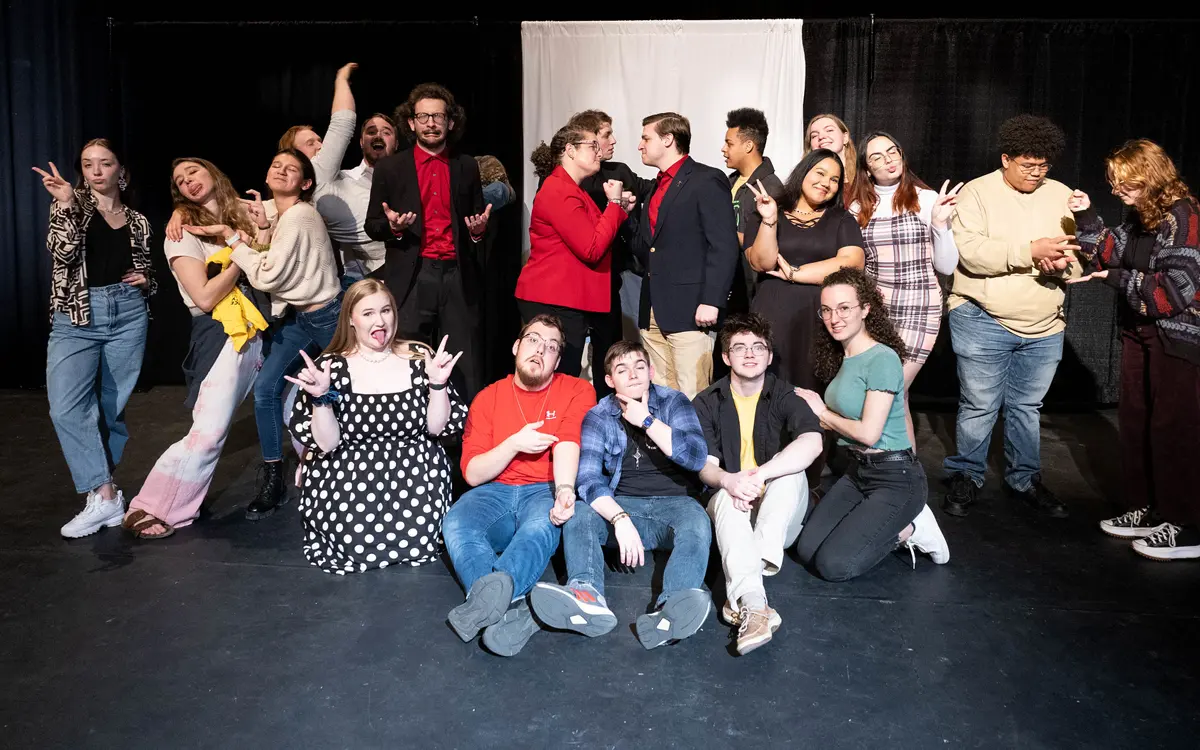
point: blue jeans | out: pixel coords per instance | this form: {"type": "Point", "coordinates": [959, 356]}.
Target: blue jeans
{"type": "Point", "coordinates": [311, 332]}
{"type": "Point", "coordinates": [502, 527]}
{"type": "Point", "coordinates": [679, 524]}
{"type": "Point", "coordinates": [90, 422]}
{"type": "Point", "coordinates": [997, 368]}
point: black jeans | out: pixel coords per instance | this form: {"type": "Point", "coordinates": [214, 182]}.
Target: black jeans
{"type": "Point", "coordinates": [436, 307]}
{"type": "Point", "coordinates": [578, 323]}
{"type": "Point", "coordinates": [855, 525]}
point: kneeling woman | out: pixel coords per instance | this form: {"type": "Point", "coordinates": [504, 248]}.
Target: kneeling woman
{"type": "Point", "coordinates": [375, 483]}
{"type": "Point", "coordinates": [880, 502]}
{"type": "Point", "coordinates": [299, 271]}
{"type": "Point", "coordinates": [223, 357]}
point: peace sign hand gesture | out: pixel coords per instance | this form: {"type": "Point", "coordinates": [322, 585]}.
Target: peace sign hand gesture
{"type": "Point", "coordinates": [258, 212]}
{"type": "Point", "coordinates": [312, 380]}
{"type": "Point", "coordinates": [56, 186]}
{"type": "Point", "coordinates": [439, 365]}
{"type": "Point", "coordinates": [944, 207]}
{"type": "Point", "coordinates": [764, 203]}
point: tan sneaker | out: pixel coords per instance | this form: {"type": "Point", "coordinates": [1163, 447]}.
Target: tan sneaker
{"type": "Point", "coordinates": [733, 617]}
{"type": "Point", "coordinates": [755, 629]}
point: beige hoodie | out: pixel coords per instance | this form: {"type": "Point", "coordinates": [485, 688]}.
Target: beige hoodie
{"type": "Point", "coordinates": [994, 228]}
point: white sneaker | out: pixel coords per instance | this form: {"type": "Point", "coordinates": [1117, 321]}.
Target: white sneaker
{"type": "Point", "coordinates": [97, 514]}
{"type": "Point", "coordinates": [928, 538]}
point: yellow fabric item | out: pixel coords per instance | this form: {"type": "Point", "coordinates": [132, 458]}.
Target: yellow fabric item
{"type": "Point", "coordinates": [235, 312]}
{"type": "Point", "coordinates": [746, 406]}
{"type": "Point", "coordinates": [741, 180]}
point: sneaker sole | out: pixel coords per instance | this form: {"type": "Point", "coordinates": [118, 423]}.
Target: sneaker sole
{"type": "Point", "coordinates": [106, 524]}
{"type": "Point", "coordinates": [753, 644]}
{"type": "Point", "coordinates": [561, 611]}
{"type": "Point", "coordinates": [1191, 553]}
{"type": "Point", "coordinates": [1125, 532]}
{"type": "Point", "coordinates": [733, 619]}
{"type": "Point", "coordinates": [509, 636]}
{"type": "Point", "coordinates": [682, 616]}
{"type": "Point", "coordinates": [483, 607]}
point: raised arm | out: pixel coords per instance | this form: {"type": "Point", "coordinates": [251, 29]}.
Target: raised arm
{"type": "Point", "coordinates": [342, 121]}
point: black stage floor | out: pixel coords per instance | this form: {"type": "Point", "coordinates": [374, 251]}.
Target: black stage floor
{"type": "Point", "coordinates": [1038, 634]}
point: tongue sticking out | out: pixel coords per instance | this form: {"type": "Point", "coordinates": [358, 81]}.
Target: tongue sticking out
{"type": "Point", "coordinates": [379, 335]}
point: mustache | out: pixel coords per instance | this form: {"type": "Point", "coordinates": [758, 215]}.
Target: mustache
{"type": "Point", "coordinates": [378, 143]}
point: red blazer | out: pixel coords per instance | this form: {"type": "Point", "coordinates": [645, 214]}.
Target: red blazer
{"type": "Point", "coordinates": [569, 239]}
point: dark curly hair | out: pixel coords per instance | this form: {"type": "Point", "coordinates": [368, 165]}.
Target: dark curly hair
{"type": "Point", "coordinates": [752, 323]}
{"type": "Point", "coordinates": [454, 112]}
{"type": "Point", "coordinates": [751, 124]}
{"type": "Point", "coordinates": [828, 353]}
{"type": "Point", "coordinates": [1031, 135]}
{"type": "Point", "coordinates": [546, 158]}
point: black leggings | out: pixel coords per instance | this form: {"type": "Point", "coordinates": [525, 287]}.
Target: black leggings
{"type": "Point", "coordinates": [855, 525]}
{"type": "Point", "coordinates": [578, 323]}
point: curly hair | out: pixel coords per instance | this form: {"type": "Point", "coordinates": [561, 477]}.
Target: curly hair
{"type": "Point", "coordinates": [751, 125]}
{"type": "Point", "coordinates": [1144, 164]}
{"type": "Point", "coordinates": [1031, 135]}
{"type": "Point", "coordinates": [546, 158]}
{"type": "Point", "coordinates": [454, 112]}
{"type": "Point", "coordinates": [490, 169]}
{"type": "Point", "coordinates": [828, 353]}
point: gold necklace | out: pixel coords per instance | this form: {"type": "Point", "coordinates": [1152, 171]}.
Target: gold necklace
{"type": "Point", "coordinates": [517, 398]}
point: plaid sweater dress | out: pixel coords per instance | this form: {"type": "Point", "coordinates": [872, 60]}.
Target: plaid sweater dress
{"type": "Point", "coordinates": [904, 254]}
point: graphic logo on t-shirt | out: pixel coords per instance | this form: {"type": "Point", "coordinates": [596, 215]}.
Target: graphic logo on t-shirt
{"type": "Point", "coordinates": [551, 414]}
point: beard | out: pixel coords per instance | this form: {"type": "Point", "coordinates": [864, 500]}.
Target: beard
{"type": "Point", "coordinates": [432, 138]}
{"type": "Point", "coordinates": [534, 380]}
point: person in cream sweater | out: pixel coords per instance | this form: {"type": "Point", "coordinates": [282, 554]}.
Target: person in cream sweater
{"type": "Point", "coordinates": [1016, 242]}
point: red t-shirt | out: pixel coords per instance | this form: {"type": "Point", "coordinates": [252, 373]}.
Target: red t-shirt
{"type": "Point", "coordinates": [664, 182]}
{"type": "Point", "coordinates": [433, 177]}
{"type": "Point", "coordinates": [495, 415]}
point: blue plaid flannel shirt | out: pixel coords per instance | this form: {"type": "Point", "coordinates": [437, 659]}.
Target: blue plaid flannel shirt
{"type": "Point", "coordinates": [604, 439]}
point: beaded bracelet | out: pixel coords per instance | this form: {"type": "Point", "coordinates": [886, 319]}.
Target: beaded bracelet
{"type": "Point", "coordinates": [618, 517]}
{"type": "Point", "coordinates": [329, 398]}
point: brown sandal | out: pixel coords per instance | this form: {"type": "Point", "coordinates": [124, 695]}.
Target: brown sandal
{"type": "Point", "coordinates": [139, 520]}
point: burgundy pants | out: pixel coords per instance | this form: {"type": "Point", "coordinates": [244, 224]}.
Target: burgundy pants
{"type": "Point", "coordinates": [1159, 421]}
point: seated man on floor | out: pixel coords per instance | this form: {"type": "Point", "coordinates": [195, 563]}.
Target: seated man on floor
{"type": "Point", "coordinates": [642, 447]}
{"type": "Point", "coordinates": [761, 438]}
{"type": "Point", "coordinates": [520, 453]}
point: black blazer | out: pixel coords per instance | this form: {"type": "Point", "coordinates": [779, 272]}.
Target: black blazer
{"type": "Point", "coordinates": [395, 183]}
{"type": "Point", "coordinates": [691, 256]}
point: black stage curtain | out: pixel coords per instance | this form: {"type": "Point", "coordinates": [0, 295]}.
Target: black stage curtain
{"type": "Point", "coordinates": [943, 88]}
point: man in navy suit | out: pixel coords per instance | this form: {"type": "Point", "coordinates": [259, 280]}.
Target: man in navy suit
{"type": "Point", "coordinates": [687, 240]}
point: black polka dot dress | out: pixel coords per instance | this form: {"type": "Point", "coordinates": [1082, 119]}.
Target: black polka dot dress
{"type": "Point", "coordinates": [379, 497]}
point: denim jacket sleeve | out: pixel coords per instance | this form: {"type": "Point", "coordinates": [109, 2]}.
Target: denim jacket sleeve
{"type": "Point", "coordinates": [689, 449]}
{"type": "Point", "coordinates": [590, 479]}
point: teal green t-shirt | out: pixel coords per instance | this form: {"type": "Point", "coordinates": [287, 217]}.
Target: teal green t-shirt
{"type": "Point", "coordinates": [877, 369]}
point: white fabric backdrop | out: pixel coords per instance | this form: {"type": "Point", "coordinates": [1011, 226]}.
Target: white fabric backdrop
{"type": "Point", "coordinates": [631, 69]}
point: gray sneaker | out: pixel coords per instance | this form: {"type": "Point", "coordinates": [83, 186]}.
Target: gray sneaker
{"type": "Point", "coordinates": [680, 617]}
{"type": "Point", "coordinates": [486, 603]}
{"type": "Point", "coordinates": [509, 636]}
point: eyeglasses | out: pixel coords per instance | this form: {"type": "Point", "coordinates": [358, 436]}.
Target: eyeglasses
{"type": "Point", "coordinates": [425, 117]}
{"type": "Point", "coordinates": [758, 349]}
{"type": "Point", "coordinates": [826, 313]}
{"type": "Point", "coordinates": [538, 342]}
{"type": "Point", "coordinates": [1124, 186]}
{"type": "Point", "coordinates": [892, 154]}
{"type": "Point", "coordinates": [1028, 169]}
{"type": "Point", "coordinates": [595, 145]}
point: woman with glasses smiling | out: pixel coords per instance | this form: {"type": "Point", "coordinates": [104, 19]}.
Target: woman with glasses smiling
{"type": "Point", "coordinates": [569, 274]}
{"type": "Point", "coordinates": [907, 238]}
{"type": "Point", "coordinates": [879, 503]}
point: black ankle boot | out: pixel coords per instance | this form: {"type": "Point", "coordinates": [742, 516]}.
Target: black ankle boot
{"type": "Point", "coordinates": [271, 492]}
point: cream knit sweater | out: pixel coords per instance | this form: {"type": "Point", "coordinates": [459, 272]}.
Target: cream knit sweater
{"type": "Point", "coordinates": [298, 268]}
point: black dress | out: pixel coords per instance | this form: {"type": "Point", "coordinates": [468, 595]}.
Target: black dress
{"type": "Point", "coordinates": [379, 497]}
{"type": "Point", "coordinates": [791, 309]}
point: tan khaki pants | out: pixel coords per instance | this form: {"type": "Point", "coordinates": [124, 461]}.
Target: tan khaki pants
{"type": "Point", "coordinates": [682, 361]}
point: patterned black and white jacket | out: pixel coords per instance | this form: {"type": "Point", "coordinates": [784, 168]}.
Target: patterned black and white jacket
{"type": "Point", "coordinates": [65, 239]}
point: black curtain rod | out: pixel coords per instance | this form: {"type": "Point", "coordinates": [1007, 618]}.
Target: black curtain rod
{"type": "Point", "coordinates": [485, 22]}
{"type": "Point", "coordinates": [373, 22]}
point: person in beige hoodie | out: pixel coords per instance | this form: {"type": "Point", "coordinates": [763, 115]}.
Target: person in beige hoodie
{"type": "Point", "coordinates": [1016, 241]}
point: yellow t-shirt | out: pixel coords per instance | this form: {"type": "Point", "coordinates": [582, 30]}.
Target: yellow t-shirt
{"type": "Point", "coordinates": [746, 405]}
{"type": "Point", "coordinates": [741, 180]}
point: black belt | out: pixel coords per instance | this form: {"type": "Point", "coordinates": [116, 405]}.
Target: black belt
{"type": "Point", "coordinates": [882, 457]}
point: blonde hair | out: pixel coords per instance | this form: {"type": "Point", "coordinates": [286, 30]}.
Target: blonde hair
{"type": "Point", "coordinates": [344, 341]}
{"type": "Point", "coordinates": [850, 154]}
{"type": "Point", "coordinates": [230, 210]}
{"type": "Point", "coordinates": [1144, 164]}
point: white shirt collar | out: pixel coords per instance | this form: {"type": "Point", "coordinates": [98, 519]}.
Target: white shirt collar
{"type": "Point", "coordinates": [362, 169]}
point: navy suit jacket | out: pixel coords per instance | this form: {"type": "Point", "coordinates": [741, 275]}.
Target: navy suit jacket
{"type": "Point", "coordinates": [691, 255]}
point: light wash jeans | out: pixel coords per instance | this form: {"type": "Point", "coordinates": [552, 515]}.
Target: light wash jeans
{"type": "Point", "coordinates": [90, 373]}
{"type": "Point", "coordinates": [997, 368]}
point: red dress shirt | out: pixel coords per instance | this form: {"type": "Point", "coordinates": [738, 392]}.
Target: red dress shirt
{"type": "Point", "coordinates": [433, 178]}
{"type": "Point", "coordinates": [569, 242]}
{"type": "Point", "coordinates": [664, 182]}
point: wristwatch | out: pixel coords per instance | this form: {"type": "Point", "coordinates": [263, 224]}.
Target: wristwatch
{"type": "Point", "coordinates": [649, 420]}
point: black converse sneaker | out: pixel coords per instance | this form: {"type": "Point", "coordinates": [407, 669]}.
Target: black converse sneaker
{"type": "Point", "coordinates": [1132, 525]}
{"type": "Point", "coordinates": [1169, 542]}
